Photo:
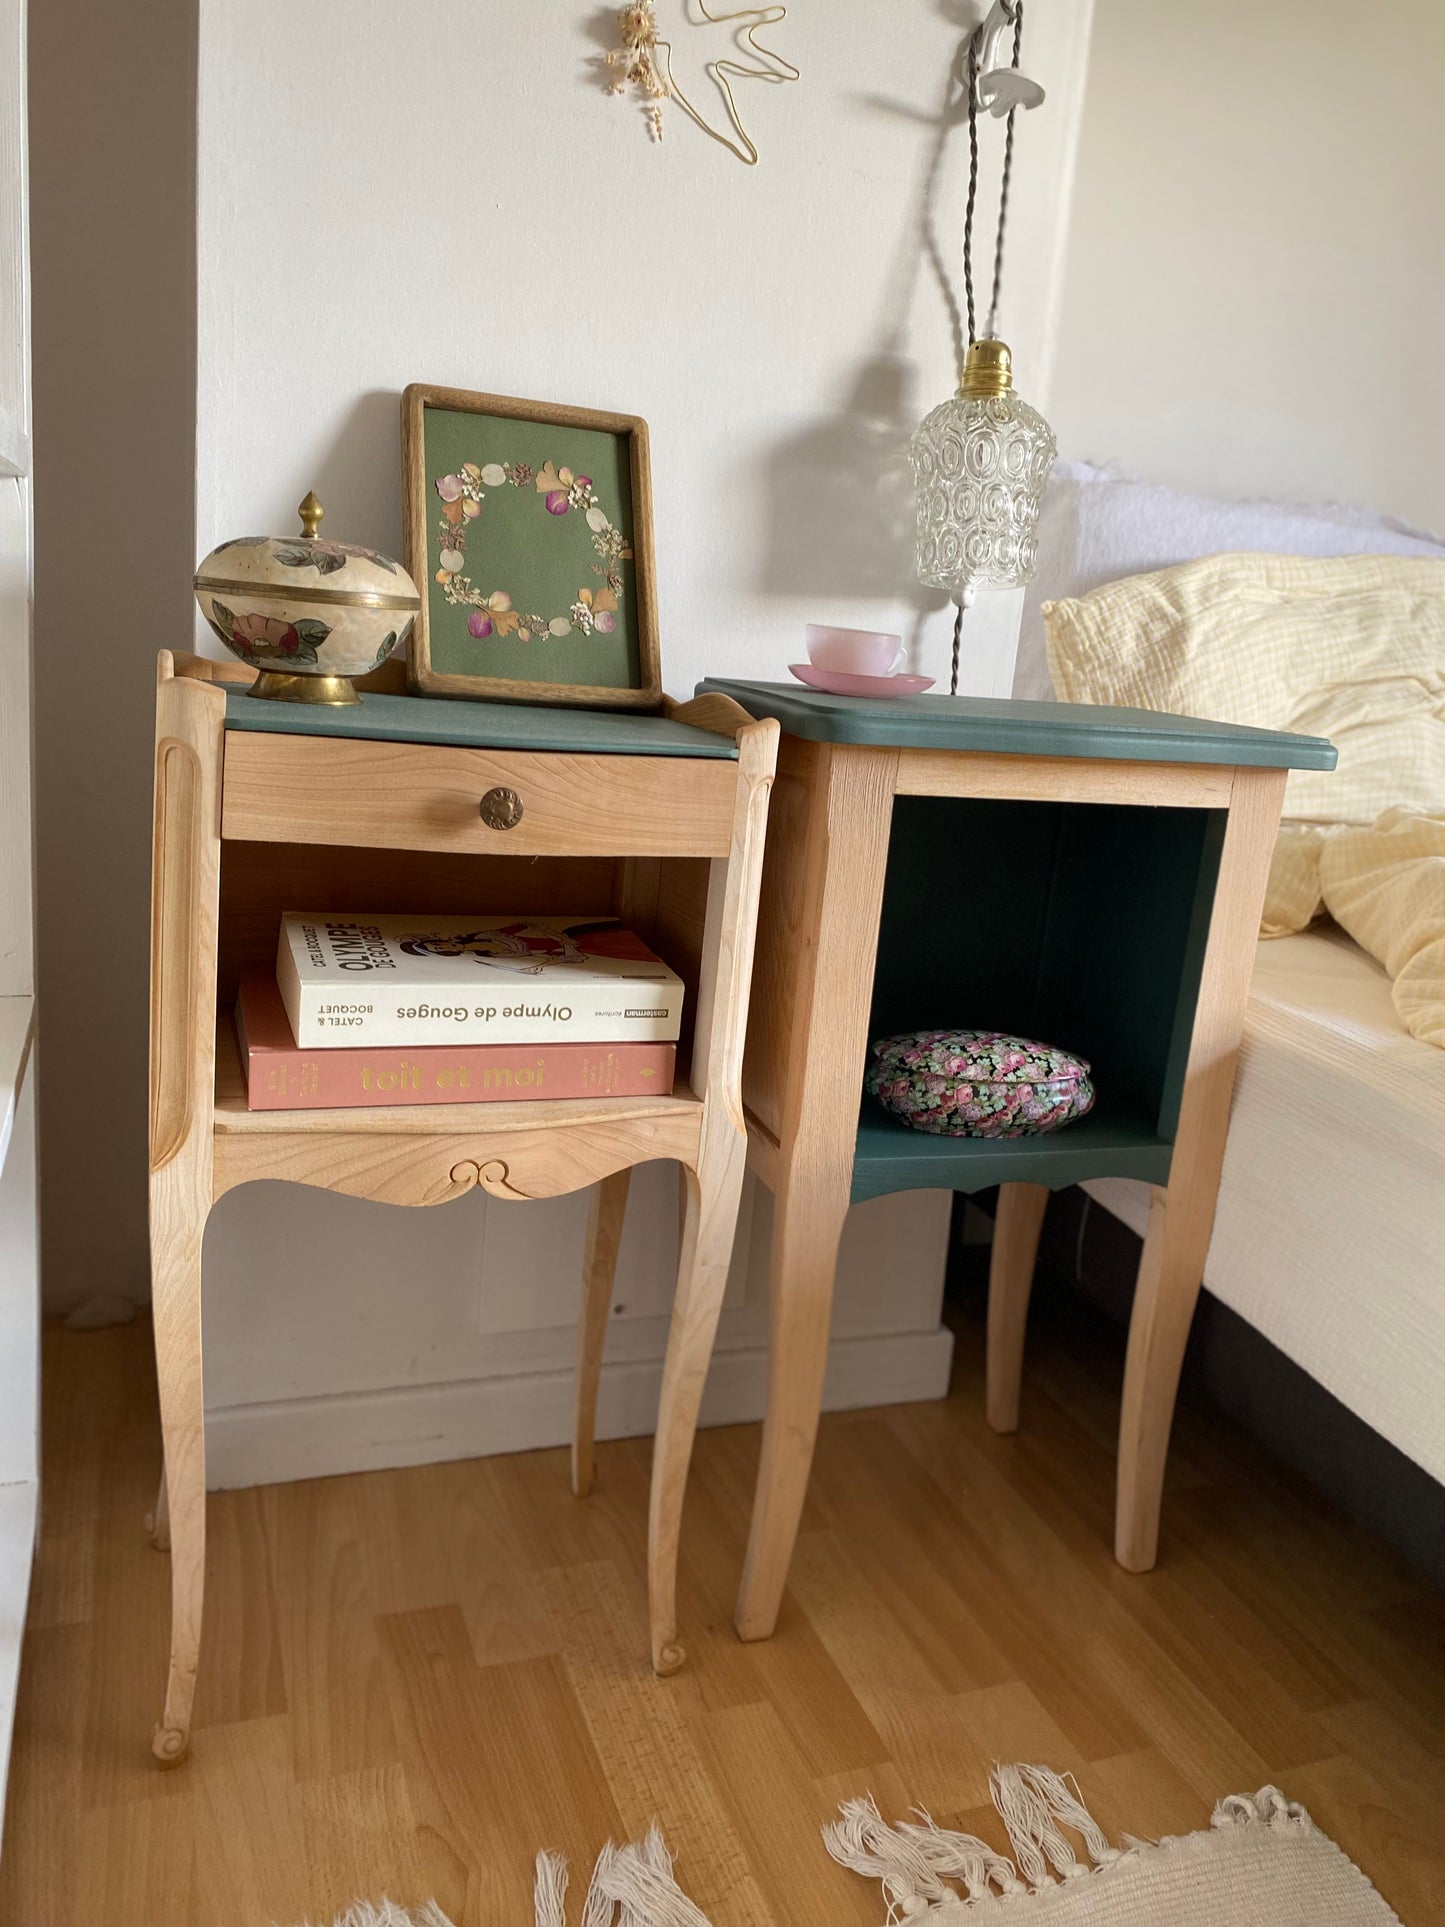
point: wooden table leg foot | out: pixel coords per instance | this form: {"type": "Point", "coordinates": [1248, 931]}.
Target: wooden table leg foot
{"type": "Point", "coordinates": [170, 1744]}
{"type": "Point", "coordinates": [668, 1658]}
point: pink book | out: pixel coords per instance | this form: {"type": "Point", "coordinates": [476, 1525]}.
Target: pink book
{"type": "Point", "coordinates": [281, 1077]}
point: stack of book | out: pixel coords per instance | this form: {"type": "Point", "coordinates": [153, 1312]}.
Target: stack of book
{"type": "Point", "coordinates": [412, 1009]}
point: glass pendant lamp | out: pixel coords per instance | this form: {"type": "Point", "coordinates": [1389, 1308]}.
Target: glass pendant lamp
{"type": "Point", "coordinates": [981, 459]}
{"type": "Point", "coordinates": [980, 462]}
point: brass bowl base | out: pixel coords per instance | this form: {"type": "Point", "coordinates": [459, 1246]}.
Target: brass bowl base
{"type": "Point", "coordinates": [280, 686]}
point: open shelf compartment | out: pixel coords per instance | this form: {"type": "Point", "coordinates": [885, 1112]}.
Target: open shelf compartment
{"type": "Point", "coordinates": [664, 899]}
{"type": "Point", "coordinates": [1082, 925]}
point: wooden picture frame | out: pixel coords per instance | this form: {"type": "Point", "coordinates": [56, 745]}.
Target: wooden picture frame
{"type": "Point", "coordinates": [476, 637]}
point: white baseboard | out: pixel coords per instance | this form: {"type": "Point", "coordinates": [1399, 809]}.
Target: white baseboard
{"type": "Point", "coordinates": [307, 1438]}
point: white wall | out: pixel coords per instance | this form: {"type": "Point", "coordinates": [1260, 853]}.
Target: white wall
{"type": "Point", "coordinates": [1255, 293]}
{"type": "Point", "coordinates": [448, 195]}
{"type": "Point", "coordinates": [453, 198]}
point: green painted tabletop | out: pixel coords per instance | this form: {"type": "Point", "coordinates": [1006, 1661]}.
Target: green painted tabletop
{"type": "Point", "coordinates": [463, 725]}
{"type": "Point", "coordinates": [986, 724]}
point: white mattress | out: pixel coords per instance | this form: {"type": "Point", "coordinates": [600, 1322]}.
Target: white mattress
{"type": "Point", "coordinates": [1330, 1233]}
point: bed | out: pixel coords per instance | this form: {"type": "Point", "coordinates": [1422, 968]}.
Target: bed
{"type": "Point", "coordinates": [1330, 1232]}
{"type": "Point", "coordinates": [1329, 1238]}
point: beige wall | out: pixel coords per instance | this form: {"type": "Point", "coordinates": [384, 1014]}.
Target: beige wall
{"type": "Point", "coordinates": [1254, 301]}
{"type": "Point", "coordinates": [112, 195]}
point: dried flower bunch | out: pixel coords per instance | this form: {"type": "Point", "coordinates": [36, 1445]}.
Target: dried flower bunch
{"type": "Point", "coordinates": [634, 63]}
{"type": "Point", "coordinates": [644, 61]}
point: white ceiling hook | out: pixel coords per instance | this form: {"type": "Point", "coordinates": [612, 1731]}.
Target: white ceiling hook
{"type": "Point", "coordinates": [996, 23]}
{"type": "Point", "coordinates": [1001, 88]}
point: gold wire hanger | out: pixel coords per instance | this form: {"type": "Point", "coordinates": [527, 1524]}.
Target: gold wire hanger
{"type": "Point", "coordinates": [636, 64]}
{"type": "Point", "coordinates": [773, 68]}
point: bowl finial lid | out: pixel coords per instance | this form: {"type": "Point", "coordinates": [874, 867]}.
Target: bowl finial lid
{"type": "Point", "coordinates": [311, 513]}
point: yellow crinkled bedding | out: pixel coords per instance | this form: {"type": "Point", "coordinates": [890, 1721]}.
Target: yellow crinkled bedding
{"type": "Point", "coordinates": [1352, 648]}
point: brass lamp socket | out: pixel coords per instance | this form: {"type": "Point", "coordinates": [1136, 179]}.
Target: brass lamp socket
{"type": "Point", "coordinates": [988, 369]}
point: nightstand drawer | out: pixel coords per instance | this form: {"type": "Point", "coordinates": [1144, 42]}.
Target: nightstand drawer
{"type": "Point", "coordinates": [412, 796]}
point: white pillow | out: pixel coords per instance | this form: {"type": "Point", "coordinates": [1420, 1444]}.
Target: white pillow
{"type": "Point", "coordinates": [1098, 525]}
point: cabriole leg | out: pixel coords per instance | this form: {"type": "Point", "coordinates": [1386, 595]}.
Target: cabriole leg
{"type": "Point", "coordinates": [709, 1222]}
{"type": "Point", "coordinates": [158, 1524]}
{"type": "Point", "coordinates": [176, 1289]}
{"type": "Point", "coordinates": [1016, 1227]}
{"type": "Point", "coordinates": [185, 885]}
{"type": "Point", "coordinates": [1181, 1219]}
{"type": "Point", "coordinates": [806, 1229]}
{"type": "Point", "coordinates": [599, 1267]}
{"type": "Point", "coordinates": [1171, 1271]}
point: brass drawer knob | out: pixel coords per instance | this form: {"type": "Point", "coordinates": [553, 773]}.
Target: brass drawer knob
{"type": "Point", "coordinates": [501, 809]}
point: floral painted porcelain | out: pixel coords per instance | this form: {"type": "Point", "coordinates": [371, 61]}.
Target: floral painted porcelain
{"type": "Point", "coordinates": [977, 1083]}
{"type": "Point", "coordinates": [307, 612]}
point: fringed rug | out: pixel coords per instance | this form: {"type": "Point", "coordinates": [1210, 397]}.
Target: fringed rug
{"type": "Point", "coordinates": [1262, 1863]}
{"type": "Point", "coordinates": [631, 1886]}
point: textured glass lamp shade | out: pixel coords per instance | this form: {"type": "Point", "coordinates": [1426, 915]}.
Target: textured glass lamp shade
{"type": "Point", "coordinates": [980, 462]}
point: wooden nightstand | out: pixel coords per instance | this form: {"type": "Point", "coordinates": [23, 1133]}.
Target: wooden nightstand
{"type": "Point", "coordinates": [262, 808]}
{"type": "Point", "coordinates": [1088, 876]}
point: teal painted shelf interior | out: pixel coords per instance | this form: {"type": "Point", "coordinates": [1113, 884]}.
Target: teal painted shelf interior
{"type": "Point", "coordinates": [985, 724]}
{"type": "Point", "coordinates": [1082, 925]}
{"type": "Point", "coordinates": [889, 1157]}
{"type": "Point", "coordinates": [462, 725]}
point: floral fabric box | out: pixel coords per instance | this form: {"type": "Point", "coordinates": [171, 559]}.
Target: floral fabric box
{"type": "Point", "coordinates": [977, 1083]}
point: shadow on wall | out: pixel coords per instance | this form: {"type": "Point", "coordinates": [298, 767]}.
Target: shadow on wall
{"type": "Point", "coordinates": [601, 31]}
{"type": "Point", "coordinates": [841, 513]}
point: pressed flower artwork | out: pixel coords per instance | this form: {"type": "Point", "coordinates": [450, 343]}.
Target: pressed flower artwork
{"type": "Point", "coordinates": [463, 495]}
{"type": "Point", "coordinates": [537, 581]}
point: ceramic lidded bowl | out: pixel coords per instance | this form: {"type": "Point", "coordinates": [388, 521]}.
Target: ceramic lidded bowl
{"type": "Point", "coordinates": [306, 612]}
{"type": "Point", "coordinates": [977, 1083]}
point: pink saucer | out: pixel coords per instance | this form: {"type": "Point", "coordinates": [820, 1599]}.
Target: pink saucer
{"type": "Point", "coordinates": [838, 683]}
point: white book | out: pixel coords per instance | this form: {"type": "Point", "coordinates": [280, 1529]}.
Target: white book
{"type": "Point", "coordinates": [419, 979]}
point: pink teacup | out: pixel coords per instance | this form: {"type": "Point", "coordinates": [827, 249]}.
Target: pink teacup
{"type": "Point", "coordinates": [857, 652]}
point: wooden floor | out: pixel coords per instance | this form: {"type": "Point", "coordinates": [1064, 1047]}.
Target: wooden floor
{"type": "Point", "coordinates": [412, 1680]}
